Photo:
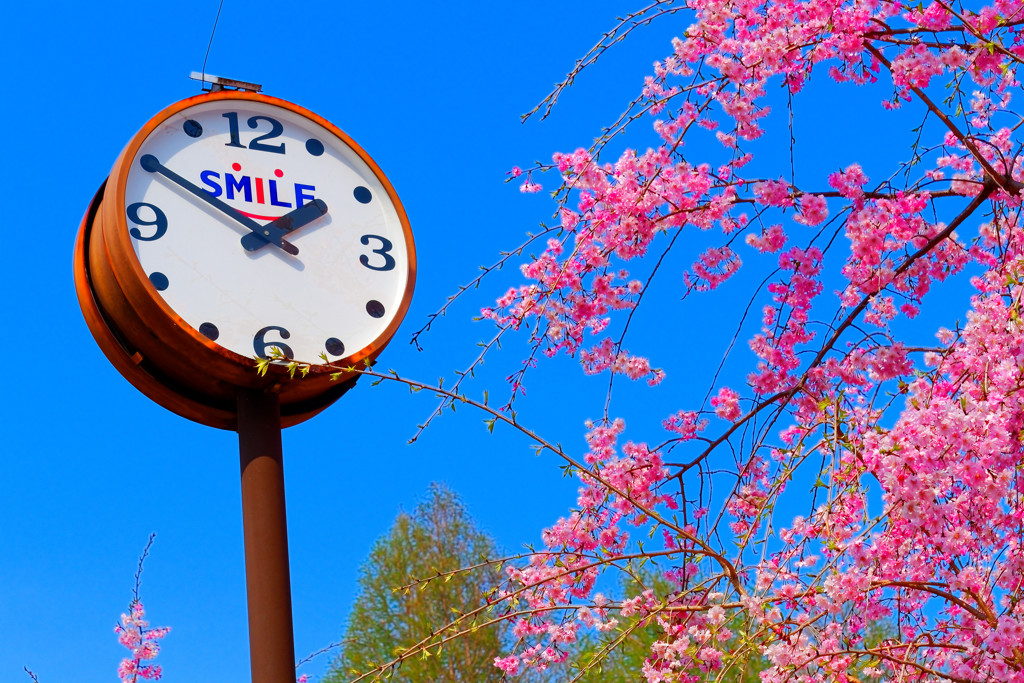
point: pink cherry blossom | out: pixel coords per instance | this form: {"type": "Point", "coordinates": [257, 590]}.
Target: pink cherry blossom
{"type": "Point", "coordinates": [852, 466]}
{"type": "Point", "coordinates": [135, 634]}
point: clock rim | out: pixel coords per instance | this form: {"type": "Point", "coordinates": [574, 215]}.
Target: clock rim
{"type": "Point", "coordinates": [190, 374]}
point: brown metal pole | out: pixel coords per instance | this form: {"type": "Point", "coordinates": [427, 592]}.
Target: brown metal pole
{"type": "Point", "coordinates": [268, 586]}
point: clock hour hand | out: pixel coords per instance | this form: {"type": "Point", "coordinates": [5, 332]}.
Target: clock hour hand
{"type": "Point", "coordinates": [273, 234]}
{"type": "Point", "coordinates": [293, 220]}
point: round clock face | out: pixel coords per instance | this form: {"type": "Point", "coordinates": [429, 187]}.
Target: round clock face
{"type": "Point", "coordinates": [262, 227]}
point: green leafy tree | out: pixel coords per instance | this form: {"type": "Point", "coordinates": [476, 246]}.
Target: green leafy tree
{"type": "Point", "coordinates": [415, 580]}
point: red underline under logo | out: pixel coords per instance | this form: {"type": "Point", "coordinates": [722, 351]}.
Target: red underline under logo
{"type": "Point", "coordinates": [256, 215]}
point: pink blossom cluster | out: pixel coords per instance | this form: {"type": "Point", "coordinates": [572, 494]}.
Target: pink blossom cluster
{"type": "Point", "coordinates": [135, 634]}
{"type": "Point", "coordinates": [712, 268]}
{"type": "Point", "coordinates": [727, 404]}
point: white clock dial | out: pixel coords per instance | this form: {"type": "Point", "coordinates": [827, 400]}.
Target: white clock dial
{"type": "Point", "coordinates": [260, 227]}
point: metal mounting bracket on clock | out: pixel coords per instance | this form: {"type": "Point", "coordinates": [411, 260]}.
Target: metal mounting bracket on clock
{"type": "Point", "coordinates": [218, 83]}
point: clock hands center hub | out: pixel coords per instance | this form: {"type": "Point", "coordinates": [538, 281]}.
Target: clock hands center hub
{"type": "Point", "coordinates": [291, 221]}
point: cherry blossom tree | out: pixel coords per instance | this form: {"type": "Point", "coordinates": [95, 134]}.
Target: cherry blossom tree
{"type": "Point", "coordinates": [856, 476]}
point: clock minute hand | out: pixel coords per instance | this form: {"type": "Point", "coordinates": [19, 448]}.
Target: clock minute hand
{"type": "Point", "coordinates": [293, 220]}
{"type": "Point", "coordinates": [272, 234]}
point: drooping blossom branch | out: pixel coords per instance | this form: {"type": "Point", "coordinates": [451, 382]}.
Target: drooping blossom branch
{"type": "Point", "coordinates": [911, 459]}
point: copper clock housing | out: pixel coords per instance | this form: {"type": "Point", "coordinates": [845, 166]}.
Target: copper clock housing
{"type": "Point", "coordinates": [156, 350]}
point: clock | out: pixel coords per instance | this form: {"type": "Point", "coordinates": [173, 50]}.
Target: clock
{"type": "Point", "coordinates": [237, 226]}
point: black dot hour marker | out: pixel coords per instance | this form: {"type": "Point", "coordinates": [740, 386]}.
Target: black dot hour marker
{"type": "Point", "coordinates": [161, 282]}
{"type": "Point", "coordinates": [210, 331]}
{"type": "Point", "coordinates": [192, 128]}
{"type": "Point", "coordinates": [375, 308]}
{"type": "Point", "coordinates": [335, 347]}
{"type": "Point", "coordinates": [314, 147]}
{"type": "Point", "coordinates": [362, 195]}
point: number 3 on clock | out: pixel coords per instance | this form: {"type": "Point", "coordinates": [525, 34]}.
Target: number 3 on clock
{"type": "Point", "coordinates": [385, 247]}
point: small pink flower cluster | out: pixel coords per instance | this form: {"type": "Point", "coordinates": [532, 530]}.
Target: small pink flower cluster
{"type": "Point", "coordinates": [135, 634]}
{"type": "Point", "coordinates": [726, 404]}
{"type": "Point", "coordinates": [714, 266]}
{"type": "Point", "coordinates": [813, 210]}
{"type": "Point", "coordinates": [773, 193]}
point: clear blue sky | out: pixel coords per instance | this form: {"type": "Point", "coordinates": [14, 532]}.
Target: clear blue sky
{"type": "Point", "coordinates": [433, 92]}
{"type": "Point", "coordinates": [90, 467]}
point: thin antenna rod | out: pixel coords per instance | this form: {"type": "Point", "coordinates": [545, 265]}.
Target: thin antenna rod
{"type": "Point", "coordinates": [210, 44]}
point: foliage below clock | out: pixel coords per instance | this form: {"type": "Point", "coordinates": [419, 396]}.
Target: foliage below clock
{"type": "Point", "coordinates": [234, 223]}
